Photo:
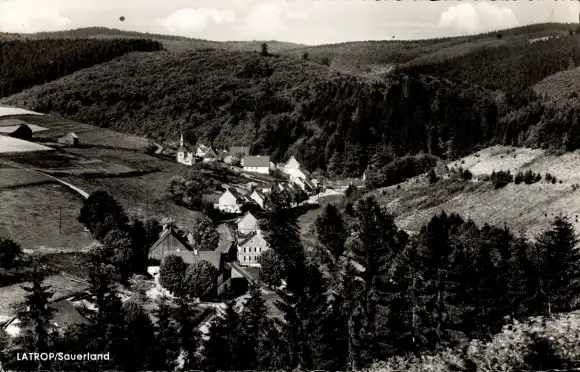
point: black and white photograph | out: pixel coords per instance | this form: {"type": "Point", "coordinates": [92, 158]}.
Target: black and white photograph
{"type": "Point", "coordinates": [290, 185]}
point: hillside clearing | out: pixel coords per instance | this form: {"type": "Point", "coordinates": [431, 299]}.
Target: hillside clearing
{"type": "Point", "coordinates": [12, 178]}
{"type": "Point", "coordinates": [30, 217]}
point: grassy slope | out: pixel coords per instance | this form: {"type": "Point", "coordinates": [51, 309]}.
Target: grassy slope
{"type": "Point", "coordinates": [529, 208]}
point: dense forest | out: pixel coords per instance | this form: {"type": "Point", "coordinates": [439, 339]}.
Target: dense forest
{"type": "Point", "coordinates": [24, 64]}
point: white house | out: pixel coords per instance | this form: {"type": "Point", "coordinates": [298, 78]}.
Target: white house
{"type": "Point", "coordinates": [291, 165]}
{"type": "Point", "coordinates": [250, 247]}
{"type": "Point", "coordinates": [184, 154]}
{"type": "Point", "coordinates": [230, 201]}
{"type": "Point", "coordinates": [247, 224]}
{"type": "Point", "coordinates": [304, 184]}
{"type": "Point", "coordinates": [294, 173]}
{"type": "Point", "coordinates": [259, 197]}
{"type": "Point", "coordinates": [256, 164]}
{"type": "Point", "coordinates": [206, 153]}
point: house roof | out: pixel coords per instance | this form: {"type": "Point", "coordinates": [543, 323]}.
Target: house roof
{"type": "Point", "coordinates": [257, 161]}
{"type": "Point", "coordinates": [184, 149]}
{"type": "Point", "coordinates": [248, 215]}
{"type": "Point", "coordinates": [165, 234]}
{"type": "Point", "coordinates": [309, 183]}
{"type": "Point", "coordinates": [260, 194]}
{"type": "Point", "coordinates": [246, 238]}
{"type": "Point", "coordinates": [237, 149]}
{"type": "Point", "coordinates": [72, 134]}
{"type": "Point", "coordinates": [292, 162]}
{"type": "Point", "coordinates": [239, 197]}
{"type": "Point", "coordinates": [65, 314]}
{"type": "Point", "coordinates": [189, 257]}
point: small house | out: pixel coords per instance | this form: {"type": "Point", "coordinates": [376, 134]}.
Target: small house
{"type": "Point", "coordinates": [259, 197]}
{"type": "Point", "coordinates": [169, 242]}
{"type": "Point", "coordinates": [291, 165]}
{"type": "Point", "coordinates": [70, 139]}
{"type": "Point", "coordinates": [294, 173]}
{"type": "Point", "coordinates": [250, 247]}
{"type": "Point", "coordinates": [256, 164]}
{"type": "Point", "coordinates": [185, 154]}
{"type": "Point", "coordinates": [247, 224]}
{"type": "Point", "coordinates": [230, 201]}
{"type": "Point", "coordinates": [206, 153]}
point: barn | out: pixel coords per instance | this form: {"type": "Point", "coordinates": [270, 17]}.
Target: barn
{"type": "Point", "coordinates": [22, 132]}
{"type": "Point", "coordinates": [70, 139]}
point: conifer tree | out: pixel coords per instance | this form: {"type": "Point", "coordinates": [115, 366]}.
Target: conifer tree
{"type": "Point", "coordinates": [253, 324]}
{"type": "Point", "coordinates": [220, 349]}
{"type": "Point", "coordinates": [331, 230]}
{"type": "Point", "coordinates": [189, 337]}
{"type": "Point", "coordinates": [35, 319]}
{"type": "Point", "coordinates": [166, 337]}
{"type": "Point", "coordinates": [379, 243]}
{"type": "Point", "coordinates": [138, 351]}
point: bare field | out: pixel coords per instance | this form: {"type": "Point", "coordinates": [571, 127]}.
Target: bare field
{"type": "Point", "coordinates": [13, 295]}
{"type": "Point", "coordinates": [9, 145]}
{"type": "Point", "coordinates": [30, 217]}
{"type": "Point", "coordinates": [138, 194]}
{"type": "Point", "coordinates": [9, 111]}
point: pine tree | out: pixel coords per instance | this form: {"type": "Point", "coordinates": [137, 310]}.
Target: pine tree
{"type": "Point", "coordinates": [331, 230]}
{"type": "Point", "coordinates": [220, 350]}
{"type": "Point", "coordinates": [189, 337]}
{"type": "Point", "coordinates": [166, 338]}
{"type": "Point", "coordinates": [559, 266]}
{"type": "Point", "coordinates": [138, 351]}
{"type": "Point", "coordinates": [379, 243]}
{"type": "Point", "coordinates": [35, 319]}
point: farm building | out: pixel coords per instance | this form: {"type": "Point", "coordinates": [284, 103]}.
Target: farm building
{"type": "Point", "coordinates": [70, 139]}
{"type": "Point", "coordinates": [257, 164]}
{"type": "Point", "coordinates": [23, 132]}
{"type": "Point", "coordinates": [170, 243]}
{"type": "Point", "coordinates": [259, 197]}
{"type": "Point", "coordinates": [291, 165]}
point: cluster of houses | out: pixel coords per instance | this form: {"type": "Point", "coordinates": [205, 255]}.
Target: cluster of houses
{"type": "Point", "coordinates": [232, 200]}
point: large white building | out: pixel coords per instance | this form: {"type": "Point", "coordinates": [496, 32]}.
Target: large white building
{"type": "Point", "coordinates": [256, 164]}
{"type": "Point", "coordinates": [185, 154]}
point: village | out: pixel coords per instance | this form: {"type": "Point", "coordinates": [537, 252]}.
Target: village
{"type": "Point", "coordinates": [241, 241]}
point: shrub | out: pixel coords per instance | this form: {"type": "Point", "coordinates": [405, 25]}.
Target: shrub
{"type": "Point", "coordinates": [172, 274]}
{"type": "Point", "coordinates": [501, 179]}
{"type": "Point", "coordinates": [9, 253]}
{"type": "Point", "coordinates": [432, 176]}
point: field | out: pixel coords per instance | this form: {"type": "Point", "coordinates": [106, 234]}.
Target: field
{"type": "Point", "coordinates": [12, 295]}
{"type": "Point", "coordinates": [30, 217]}
{"type": "Point", "coordinates": [561, 86]}
{"type": "Point", "coordinates": [9, 144]}
{"type": "Point", "coordinates": [139, 195]}
{"type": "Point", "coordinates": [8, 111]}
{"type": "Point", "coordinates": [523, 208]}
{"type": "Point", "coordinates": [88, 134]}
{"type": "Point", "coordinates": [13, 178]}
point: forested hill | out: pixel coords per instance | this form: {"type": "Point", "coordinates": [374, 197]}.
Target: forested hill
{"type": "Point", "coordinates": [24, 64]}
{"type": "Point", "coordinates": [278, 105]}
{"type": "Point", "coordinates": [170, 42]}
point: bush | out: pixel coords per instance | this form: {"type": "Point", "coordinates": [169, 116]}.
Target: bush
{"type": "Point", "coordinates": [201, 280]}
{"type": "Point", "coordinates": [172, 275]}
{"type": "Point", "coordinates": [432, 176]}
{"type": "Point", "coordinates": [501, 179]}
{"type": "Point", "coordinates": [9, 253]}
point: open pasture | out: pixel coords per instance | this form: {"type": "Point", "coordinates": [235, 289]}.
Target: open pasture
{"type": "Point", "coordinates": [43, 216]}
{"type": "Point", "coordinates": [9, 111]}
{"type": "Point", "coordinates": [13, 178]}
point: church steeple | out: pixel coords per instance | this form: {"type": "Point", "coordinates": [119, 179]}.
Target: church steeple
{"type": "Point", "coordinates": [181, 142]}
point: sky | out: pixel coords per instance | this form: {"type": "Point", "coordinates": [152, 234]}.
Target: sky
{"type": "Point", "coordinates": [309, 22]}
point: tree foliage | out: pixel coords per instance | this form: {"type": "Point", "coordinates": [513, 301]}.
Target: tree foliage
{"type": "Point", "coordinates": [172, 274]}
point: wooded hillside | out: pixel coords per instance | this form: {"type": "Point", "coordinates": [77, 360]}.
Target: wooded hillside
{"type": "Point", "coordinates": [278, 105]}
{"type": "Point", "coordinates": [24, 64]}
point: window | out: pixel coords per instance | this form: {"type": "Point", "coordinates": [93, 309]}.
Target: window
{"type": "Point", "coordinates": [260, 249]}
{"type": "Point", "coordinates": [255, 250]}
{"type": "Point", "coordinates": [244, 249]}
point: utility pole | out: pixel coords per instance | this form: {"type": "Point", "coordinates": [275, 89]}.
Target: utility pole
{"type": "Point", "coordinates": [146, 202]}
{"type": "Point", "coordinates": [59, 220]}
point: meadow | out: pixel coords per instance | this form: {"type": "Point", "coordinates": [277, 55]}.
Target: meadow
{"type": "Point", "coordinates": [13, 145]}
{"type": "Point", "coordinates": [15, 178]}
{"type": "Point", "coordinates": [30, 216]}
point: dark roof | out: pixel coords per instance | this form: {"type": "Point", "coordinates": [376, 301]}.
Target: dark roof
{"type": "Point", "coordinates": [65, 314]}
{"type": "Point", "coordinates": [237, 149]}
{"type": "Point", "coordinates": [189, 257]}
{"type": "Point", "coordinates": [246, 238]}
{"type": "Point", "coordinates": [257, 161]}
{"type": "Point", "coordinates": [184, 149]}
{"type": "Point", "coordinates": [164, 236]}
{"type": "Point", "coordinates": [260, 194]}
